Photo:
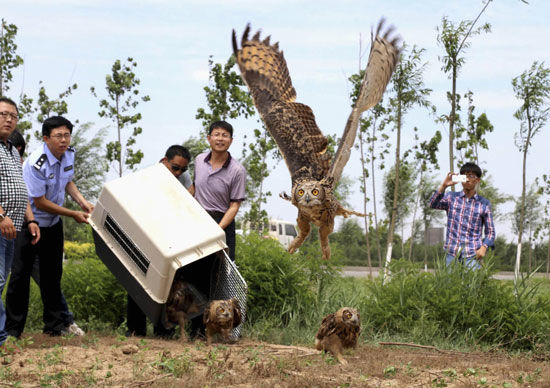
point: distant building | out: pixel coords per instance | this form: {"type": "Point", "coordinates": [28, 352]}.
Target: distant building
{"type": "Point", "coordinates": [434, 236]}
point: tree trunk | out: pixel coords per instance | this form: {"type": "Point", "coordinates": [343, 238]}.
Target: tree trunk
{"type": "Point", "coordinates": [522, 211]}
{"type": "Point", "coordinates": [452, 120]}
{"type": "Point", "coordinates": [414, 214]}
{"type": "Point", "coordinates": [395, 193]}
{"type": "Point", "coordinates": [548, 259]}
{"type": "Point", "coordinates": [530, 257]}
{"type": "Point", "coordinates": [378, 247]}
{"type": "Point", "coordinates": [364, 176]}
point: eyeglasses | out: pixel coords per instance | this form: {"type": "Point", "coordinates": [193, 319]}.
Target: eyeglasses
{"type": "Point", "coordinates": [60, 136]}
{"type": "Point", "coordinates": [177, 168]}
{"type": "Point", "coordinates": [471, 176]}
{"type": "Point", "coordinates": [13, 116]}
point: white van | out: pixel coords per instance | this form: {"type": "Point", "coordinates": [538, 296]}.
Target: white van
{"type": "Point", "coordinates": [282, 231]}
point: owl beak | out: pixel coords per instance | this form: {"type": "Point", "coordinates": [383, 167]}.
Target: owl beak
{"type": "Point", "coordinates": [307, 198]}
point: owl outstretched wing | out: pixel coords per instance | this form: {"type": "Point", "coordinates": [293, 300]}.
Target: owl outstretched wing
{"type": "Point", "coordinates": [383, 58]}
{"type": "Point", "coordinates": [290, 123]}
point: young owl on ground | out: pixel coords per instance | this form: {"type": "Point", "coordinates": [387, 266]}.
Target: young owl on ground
{"type": "Point", "coordinates": [182, 305]}
{"type": "Point", "coordinates": [339, 331]}
{"type": "Point", "coordinates": [221, 316]}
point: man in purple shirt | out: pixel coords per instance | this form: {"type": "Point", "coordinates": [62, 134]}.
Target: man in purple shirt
{"type": "Point", "coordinates": [467, 215]}
{"type": "Point", "coordinates": [219, 184]}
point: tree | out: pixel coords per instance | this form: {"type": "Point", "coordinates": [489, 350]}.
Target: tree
{"type": "Point", "coordinates": [9, 60]}
{"type": "Point", "coordinates": [454, 41]}
{"type": "Point", "coordinates": [470, 138]}
{"type": "Point", "coordinates": [255, 162]}
{"type": "Point", "coordinates": [227, 98]}
{"type": "Point", "coordinates": [544, 188]}
{"type": "Point", "coordinates": [532, 87]}
{"type": "Point", "coordinates": [46, 107]}
{"type": "Point", "coordinates": [408, 91]}
{"type": "Point", "coordinates": [122, 91]}
{"type": "Point", "coordinates": [531, 207]}
{"type": "Point", "coordinates": [428, 214]}
{"type": "Point", "coordinates": [91, 165]}
{"type": "Point", "coordinates": [226, 95]}
{"type": "Point", "coordinates": [425, 159]}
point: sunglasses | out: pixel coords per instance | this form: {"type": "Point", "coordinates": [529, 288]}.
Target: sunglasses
{"type": "Point", "coordinates": [177, 168]}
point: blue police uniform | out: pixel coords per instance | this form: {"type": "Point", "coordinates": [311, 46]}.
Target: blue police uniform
{"type": "Point", "coordinates": [45, 175]}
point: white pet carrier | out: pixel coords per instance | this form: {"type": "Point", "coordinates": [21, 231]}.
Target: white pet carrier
{"type": "Point", "coordinates": [147, 227]}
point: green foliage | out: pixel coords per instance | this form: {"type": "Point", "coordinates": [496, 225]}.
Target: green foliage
{"type": "Point", "coordinates": [226, 96]}
{"type": "Point", "coordinates": [405, 192]}
{"type": "Point", "coordinates": [90, 288]}
{"type": "Point", "coordinates": [9, 60]}
{"type": "Point", "coordinates": [458, 305]}
{"type": "Point", "coordinates": [453, 38]}
{"type": "Point", "coordinates": [470, 138]}
{"type": "Point", "coordinates": [121, 86]}
{"type": "Point", "coordinates": [277, 281]}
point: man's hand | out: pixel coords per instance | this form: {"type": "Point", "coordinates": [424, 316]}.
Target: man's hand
{"type": "Point", "coordinates": [448, 181]}
{"type": "Point", "coordinates": [80, 217]}
{"type": "Point", "coordinates": [480, 253]}
{"type": "Point", "coordinates": [7, 228]}
{"type": "Point", "coordinates": [34, 230]}
{"type": "Point", "coordinates": [87, 207]}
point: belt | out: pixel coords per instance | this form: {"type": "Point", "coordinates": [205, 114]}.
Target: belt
{"type": "Point", "coordinates": [214, 213]}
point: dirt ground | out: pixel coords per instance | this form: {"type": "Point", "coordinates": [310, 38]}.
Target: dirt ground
{"type": "Point", "coordinates": [94, 360]}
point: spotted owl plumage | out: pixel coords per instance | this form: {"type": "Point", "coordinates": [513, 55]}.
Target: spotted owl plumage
{"type": "Point", "coordinates": [292, 125]}
{"type": "Point", "coordinates": [339, 331]}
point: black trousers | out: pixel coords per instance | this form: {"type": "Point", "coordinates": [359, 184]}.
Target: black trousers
{"type": "Point", "coordinates": [136, 321]}
{"type": "Point", "coordinates": [229, 232]}
{"type": "Point", "coordinates": [49, 252]}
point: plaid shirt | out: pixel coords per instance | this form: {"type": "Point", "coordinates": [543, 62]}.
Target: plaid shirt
{"type": "Point", "coordinates": [13, 191]}
{"type": "Point", "coordinates": [466, 218]}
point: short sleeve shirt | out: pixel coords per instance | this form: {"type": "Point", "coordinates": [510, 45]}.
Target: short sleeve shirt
{"type": "Point", "coordinates": [13, 191]}
{"type": "Point", "coordinates": [48, 176]}
{"type": "Point", "coordinates": [216, 189]}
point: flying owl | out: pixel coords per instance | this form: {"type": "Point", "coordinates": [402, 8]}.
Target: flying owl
{"type": "Point", "coordinates": [314, 172]}
{"type": "Point", "coordinates": [221, 316]}
{"type": "Point", "coordinates": [338, 331]}
{"type": "Point", "coordinates": [181, 305]}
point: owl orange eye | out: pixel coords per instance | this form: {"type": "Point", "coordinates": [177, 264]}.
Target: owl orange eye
{"type": "Point", "coordinates": [300, 192]}
{"type": "Point", "coordinates": [348, 315]}
{"type": "Point", "coordinates": [315, 192]}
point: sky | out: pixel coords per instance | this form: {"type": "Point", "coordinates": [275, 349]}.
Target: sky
{"type": "Point", "coordinates": [71, 41]}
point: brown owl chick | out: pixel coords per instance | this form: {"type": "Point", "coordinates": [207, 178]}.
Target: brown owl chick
{"type": "Point", "coordinates": [181, 304]}
{"type": "Point", "coordinates": [338, 331]}
{"type": "Point", "coordinates": [221, 316]}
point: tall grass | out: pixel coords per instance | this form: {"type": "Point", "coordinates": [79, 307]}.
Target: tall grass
{"type": "Point", "coordinates": [290, 294]}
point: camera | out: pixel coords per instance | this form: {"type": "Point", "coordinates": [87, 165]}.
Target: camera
{"type": "Point", "coordinates": [459, 178]}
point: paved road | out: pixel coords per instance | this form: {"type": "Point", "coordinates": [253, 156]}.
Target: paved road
{"type": "Point", "coordinates": [362, 272]}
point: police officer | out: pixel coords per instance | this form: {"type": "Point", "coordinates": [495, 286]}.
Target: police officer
{"type": "Point", "coordinates": [48, 173]}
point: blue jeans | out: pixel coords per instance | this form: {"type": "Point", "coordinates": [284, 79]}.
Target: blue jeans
{"type": "Point", "coordinates": [6, 259]}
{"type": "Point", "coordinates": [470, 262]}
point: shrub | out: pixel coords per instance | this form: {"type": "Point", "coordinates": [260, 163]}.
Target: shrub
{"type": "Point", "coordinates": [91, 290]}
{"type": "Point", "coordinates": [456, 304]}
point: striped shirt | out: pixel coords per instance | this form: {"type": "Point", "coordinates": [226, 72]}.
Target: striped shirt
{"type": "Point", "coordinates": [466, 218]}
{"type": "Point", "coordinates": [13, 191]}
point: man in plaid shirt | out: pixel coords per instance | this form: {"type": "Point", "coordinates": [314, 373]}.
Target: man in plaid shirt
{"type": "Point", "coordinates": [14, 204]}
{"type": "Point", "coordinates": [467, 215]}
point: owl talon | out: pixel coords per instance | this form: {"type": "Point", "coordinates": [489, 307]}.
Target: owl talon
{"type": "Point", "coordinates": [284, 196]}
